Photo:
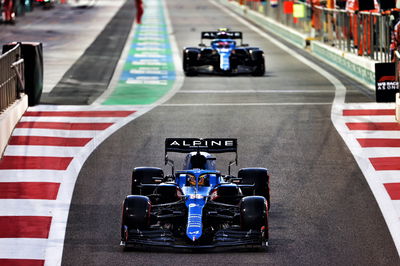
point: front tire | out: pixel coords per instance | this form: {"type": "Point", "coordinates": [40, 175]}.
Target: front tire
{"type": "Point", "coordinates": [190, 61]}
{"type": "Point", "coordinates": [253, 213]}
{"type": "Point", "coordinates": [135, 214]}
{"type": "Point", "coordinates": [254, 216]}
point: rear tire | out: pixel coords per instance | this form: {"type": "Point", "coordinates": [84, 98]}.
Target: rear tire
{"type": "Point", "coordinates": [259, 178]}
{"type": "Point", "coordinates": [144, 175]}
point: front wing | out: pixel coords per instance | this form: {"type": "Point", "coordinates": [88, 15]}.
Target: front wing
{"type": "Point", "coordinates": [210, 65]}
{"type": "Point", "coordinates": [164, 238]}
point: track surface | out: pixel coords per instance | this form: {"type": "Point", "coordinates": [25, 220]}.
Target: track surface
{"type": "Point", "coordinates": [323, 212]}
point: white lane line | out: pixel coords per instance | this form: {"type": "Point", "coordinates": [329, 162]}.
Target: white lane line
{"type": "Point", "coordinates": [23, 248]}
{"type": "Point", "coordinates": [26, 207]}
{"type": "Point", "coordinates": [396, 204]}
{"type": "Point", "coordinates": [62, 119]}
{"type": "Point", "coordinates": [77, 108]}
{"type": "Point", "coordinates": [370, 119]}
{"type": "Point", "coordinates": [31, 175]}
{"type": "Point", "coordinates": [240, 104]}
{"type": "Point", "coordinates": [252, 91]}
{"type": "Point", "coordinates": [375, 134]}
{"type": "Point", "coordinates": [56, 133]}
{"type": "Point", "coordinates": [395, 174]}
{"type": "Point", "coordinates": [395, 178]}
{"type": "Point", "coordinates": [36, 150]}
{"type": "Point", "coordinates": [385, 203]}
{"type": "Point", "coordinates": [379, 152]}
{"type": "Point", "coordinates": [367, 106]}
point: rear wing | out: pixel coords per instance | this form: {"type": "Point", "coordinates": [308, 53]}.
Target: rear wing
{"type": "Point", "coordinates": [228, 34]}
{"type": "Point", "coordinates": [214, 34]}
{"type": "Point", "coordinates": [212, 145]}
{"type": "Point", "coordinates": [186, 145]}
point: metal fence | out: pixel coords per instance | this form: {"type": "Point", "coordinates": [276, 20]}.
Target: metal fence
{"type": "Point", "coordinates": [362, 33]}
{"type": "Point", "coordinates": [11, 77]}
{"type": "Point", "coordinates": [397, 63]}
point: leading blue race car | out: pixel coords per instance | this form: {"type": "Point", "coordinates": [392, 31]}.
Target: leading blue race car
{"type": "Point", "coordinates": [197, 207]}
{"type": "Point", "coordinates": [223, 56]}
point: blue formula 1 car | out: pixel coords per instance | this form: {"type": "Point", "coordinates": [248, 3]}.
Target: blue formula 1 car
{"type": "Point", "coordinates": [197, 207]}
{"type": "Point", "coordinates": [224, 55]}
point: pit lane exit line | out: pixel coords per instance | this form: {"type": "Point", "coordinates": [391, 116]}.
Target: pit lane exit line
{"type": "Point", "coordinates": [253, 91]}
{"type": "Point", "coordinates": [240, 104]}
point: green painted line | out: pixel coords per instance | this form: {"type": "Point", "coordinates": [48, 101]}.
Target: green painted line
{"type": "Point", "coordinates": [149, 71]}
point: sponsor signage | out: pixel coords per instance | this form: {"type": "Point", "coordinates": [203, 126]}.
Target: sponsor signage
{"type": "Point", "coordinates": [366, 5]}
{"type": "Point", "coordinates": [288, 7]}
{"type": "Point", "coordinates": [388, 4]}
{"type": "Point", "coordinates": [299, 11]}
{"type": "Point", "coordinates": [386, 85]}
{"type": "Point", "coordinates": [194, 144]}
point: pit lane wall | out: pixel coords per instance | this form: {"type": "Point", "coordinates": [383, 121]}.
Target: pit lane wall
{"type": "Point", "coordinates": [9, 119]}
{"type": "Point", "coordinates": [359, 68]}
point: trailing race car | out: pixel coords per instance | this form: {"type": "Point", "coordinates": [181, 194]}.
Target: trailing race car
{"type": "Point", "coordinates": [223, 55]}
{"type": "Point", "coordinates": [197, 207]}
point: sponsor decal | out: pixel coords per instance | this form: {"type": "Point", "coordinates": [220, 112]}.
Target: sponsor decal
{"type": "Point", "coordinates": [387, 78]}
{"type": "Point", "coordinates": [195, 196]}
{"type": "Point", "coordinates": [199, 143]}
{"type": "Point", "coordinates": [225, 34]}
{"type": "Point", "coordinates": [386, 85]}
{"type": "Point", "coordinates": [203, 142]}
{"type": "Point", "coordinates": [193, 144]}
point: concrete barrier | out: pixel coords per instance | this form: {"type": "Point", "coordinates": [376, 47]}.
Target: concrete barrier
{"type": "Point", "coordinates": [357, 67]}
{"type": "Point", "coordinates": [285, 32]}
{"type": "Point", "coordinates": [9, 119]}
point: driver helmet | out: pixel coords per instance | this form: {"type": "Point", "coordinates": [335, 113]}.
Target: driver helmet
{"type": "Point", "coordinates": [192, 180]}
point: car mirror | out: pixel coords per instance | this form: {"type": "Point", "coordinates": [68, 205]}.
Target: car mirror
{"type": "Point", "coordinates": [157, 179]}
{"type": "Point", "coordinates": [245, 44]}
{"type": "Point", "coordinates": [202, 45]}
{"type": "Point", "coordinates": [235, 180]}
